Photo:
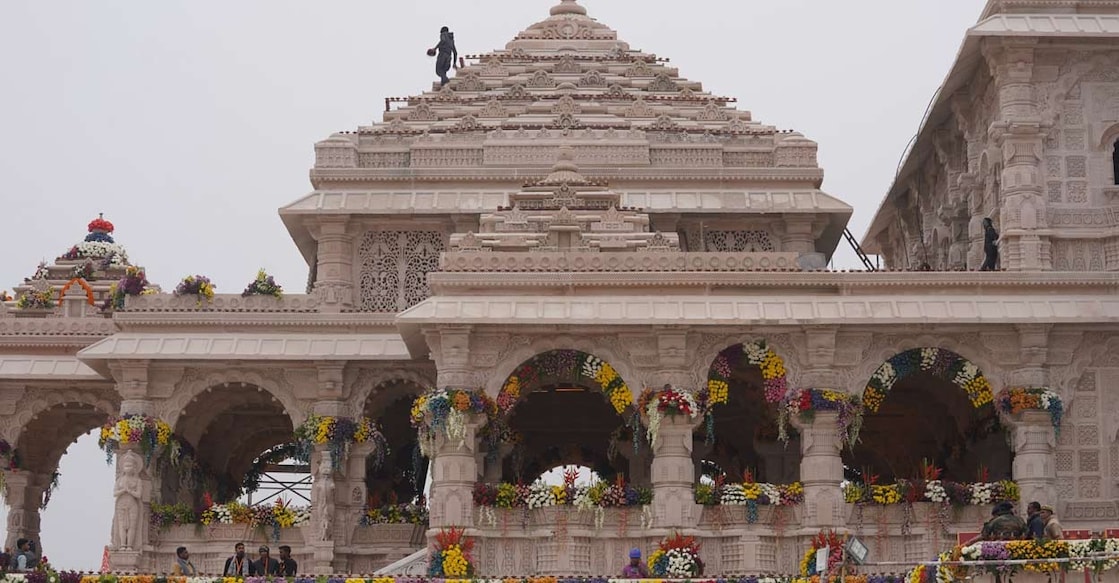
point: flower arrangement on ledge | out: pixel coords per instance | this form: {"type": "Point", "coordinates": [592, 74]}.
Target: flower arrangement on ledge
{"type": "Point", "coordinates": [111, 254]}
{"type": "Point", "coordinates": [930, 488]}
{"type": "Point", "coordinates": [451, 556]}
{"type": "Point", "coordinates": [36, 300]}
{"type": "Point", "coordinates": [599, 494]}
{"type": "Point", "coordinates": [274, 517]}
{"type": "Point", "coordinates": [566, 364]}
{"type": "Point", "coordinates": [396, 514]}
{"type": "Point", "coordinates": [263, 285]}
{"type": "Point", "coordinates": [338, 433]}
{"type": "Point", "coordinates": [749, 493]}
{"type": "Point", "coordinates": [804, 403]}
{"type": "Point", "coordinates": [824, 539]}
{"type": "Point", "coordinates": [150, 433]}
{"type": "Point", "coordinates": [1014, 400]}
{"type": "Point", "coordinates": [446, 410]}
{"type": "Point", "coordinates": [1079, 553]}
{"type": "Point", "coordinates": [677, 557]}
{"type": "Point", "coordinates": [134, 283]}
{"type": "Point", "coordinates": [665, 402]}
{"type": "Point", "coordinates": [943, 363]}
{"type": "Point", "coordinates": [196, 285]}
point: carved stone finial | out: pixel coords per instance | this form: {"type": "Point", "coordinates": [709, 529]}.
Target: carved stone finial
{"type": "Point", "coordinates": [568, 7]}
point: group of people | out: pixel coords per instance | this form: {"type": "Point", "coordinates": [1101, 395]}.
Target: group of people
{"type": "Point", "coordinates": [1040, 524]}
{"type": "Point", "coordinates": [25, 558]}
{"type": "Point", "coordinates": [240, 566]}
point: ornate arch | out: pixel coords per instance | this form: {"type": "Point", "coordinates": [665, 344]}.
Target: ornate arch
{"type": "Point", "coordinates": [601, 348]}
{"type": "Point", "coordinates": [195, 384]}
{"type": "Point", "coordinates": [751, 351]}
{"type": "Point", "coordinates": [586, 365]}
{"type": "Point", "coordinates": [370, 381]}
{"type": "Point", "coordinates": [940, 362]}
{"type": "Point", "coordinates": [44, 400]}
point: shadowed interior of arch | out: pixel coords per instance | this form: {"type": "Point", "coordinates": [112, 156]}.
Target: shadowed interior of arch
{"type": "Point", "coordinates": [925, 417]}
{"type": "Point", "coordinates": [402, 476]}
{"type": "Point", "coordinates": [234, 425]}
{"type": "Point", "coordinates": [46, 437]}
{"type": "Point", "coordinates": [745, 435]}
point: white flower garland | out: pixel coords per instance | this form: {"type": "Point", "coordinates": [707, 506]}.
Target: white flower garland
{"type": "Point", "coordinates": [98, 249]}
{"type": "Point", "coordinates": [653, 412]}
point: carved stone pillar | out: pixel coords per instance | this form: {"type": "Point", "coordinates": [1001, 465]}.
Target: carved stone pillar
{"type": "Point", "coordinates": [821, 470]}
{"type": "Point", "coordinates": [1034, 440]}
{"type": "Point", "coordinates": [24, 494]}
{"type": "Point", "coordinates": [799, 236]}
{"type": "Point", "coordinates": [674, 474]}
{"type": "Point", "coordinates": [1033, 349]}
{"type": "Point", "coordinates": [335, 285]}
{"type": "Point", "coordinates": [450, 348]}
{"type": "Point", "coordinates": [132, 506]}
{"type": "Point", "coordinates": [454, 469]}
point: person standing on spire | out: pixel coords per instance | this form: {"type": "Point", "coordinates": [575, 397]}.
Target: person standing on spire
{"type": "Point", "coordinates": [447, 54]}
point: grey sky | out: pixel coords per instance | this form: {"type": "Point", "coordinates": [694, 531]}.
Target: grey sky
{"type": "Point", "coordinates": [188, 123]}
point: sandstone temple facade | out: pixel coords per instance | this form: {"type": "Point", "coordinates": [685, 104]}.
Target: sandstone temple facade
{"type": "Point", "coordinates": [570, 222]}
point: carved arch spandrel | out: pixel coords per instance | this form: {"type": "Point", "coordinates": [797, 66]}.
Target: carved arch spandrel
{"type": "Point", "coordinates": [370, 383]}
{"type": "Point", "coordinates": [196, 383]}
{"type": "Point", "coordinates": [598, 347]}
{"type": "Point", "coordinates": [884, 349]}
{"type": "Point", "coordinates": [44, 400]}
{"type": "Point", "coordinates": [1093, 349]}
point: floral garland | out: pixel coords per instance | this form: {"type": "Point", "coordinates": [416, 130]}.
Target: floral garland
{"type": "Point", "coordinates": [665, 402]}
{"type": "Point", "coordinates": [1014, 400]}
{"type": "Point", "coordinates": [566, 364]}
{"type": "Point", "coordinates": [196, 285]}
{"type": "Point", "coordinates": [677, 557]}
{"type": "Point", "coordinates": [451, 555]}
{"type": "Point", "coordinates": [752, 353]}
{"type": "Point", "coordinates": [150, 433]}
{"type": "Point", "coordinates": [938, 361]}
{"type": "Point", "coordinates": [338, 433]}
{"type": "Point", "coordinates": [1079, 552]}
{"type": "Point", "coordinates": [804, 403]}
{"type": "Point", "coordinates": [80, 283]}
{"type": "Point", "coordinates": [938, 491]}
{"type": "Point", "coordinates": [824, 539]}
{"type": "Point", "coordinates": [599, 494]}
{"type": "Point", "coordinates": [36, 300]}
{"type": "Point", "coordinates": [395, 514]}
{"type": "Point", "coordinates": [446, 410]}
{"type": "Point", "coordinates": [750, 494]}
{"type": "Point", "coordinates": [263, 516]}
{"type": "Point", "coordinates": [263, 285]}
{"type": "Point", "coordinates": [112, 253]}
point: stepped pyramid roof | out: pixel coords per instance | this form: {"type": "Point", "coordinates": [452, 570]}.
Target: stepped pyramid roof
{"type": "Point", "coordinates": [630, 118]}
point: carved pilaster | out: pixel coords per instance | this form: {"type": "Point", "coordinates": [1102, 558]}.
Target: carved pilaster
{"type": "Point", "coordinates": [820, 371]}
{"type": "Point", "coordinates": [334, 286]}
{"type": "Point", "coordinates": [799, 236]}
{"type": "Point", "coordinates": [821, 469]}
{"type": "Point", "coordinates": [1034, 441]}
{"type": "Point", "coordinates": [454, 470]}
{"type": "Point", "coordinates": [674, 474]}
{"type": "Point", "coordinates": [132, 383]}
{"type": "Point", "coordinates": [453, 358]}
{"type": "Point", "coordinates": [331, 398]}
{"type": "Point", "coordinates": [23, 491]}
{"type": "Point", "coordinates": [1034, 352]}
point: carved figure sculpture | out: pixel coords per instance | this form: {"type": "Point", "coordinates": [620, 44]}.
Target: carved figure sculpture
{"type": "Point", "coordinates": [127, 492]}
{"type": "Point", "coordinates": [322, 495]}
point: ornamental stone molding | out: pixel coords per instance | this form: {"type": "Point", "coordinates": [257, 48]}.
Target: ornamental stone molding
{"type": "Point", "coordinates": [40, 401]}
{"type": "Point", "coordinates": [195, 382]}
{"type": "Point", "coordinates": [368, 384]}
{"type": "Point", "coordinates": [597, 345]}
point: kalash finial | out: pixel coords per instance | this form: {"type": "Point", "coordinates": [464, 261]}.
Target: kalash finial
{"type": "Point", "coordinates": [568, 7]}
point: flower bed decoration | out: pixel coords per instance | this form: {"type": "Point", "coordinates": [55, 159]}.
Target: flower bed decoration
{"type": "Point", "coordinates": [164, 516]}
{"type": "Point", "coordinates": [36, 300]}
{"type": "Point", "coordinates": [804, 403]}
{"type": "Point", "coordinates": [1014, 400]}
{"type": "Point", "coordinates": [148, 432]}
{"type": "Point", "coordinates": [824, 539]}
{"type": "Point", "coordinates": [594, 498]}
{"type": "Point", "coordinates": [263, 285]}
{"type": "Point", "coordinates": [395, 514]}
{"type": "Point", "coordinates": [451, 556]}
{"type": "Point", "coordinates": [196, 285]}
{"type": "Point", "coordinates": [570, 365]}
{"type": "Point", "coordinates": [750, 494]}
{"type": "Point", "coordinates": [446, 410]}
{"type": "Point", "coordinates": [677, 557]}
{"type": "Point", "coordinates": [266, 517]}
{"type": "Point", "coordinates": [134, 283]}
{"type": "Point", "coordinates": [666, 402]}
{"type": "Point", "coordinates": [938, 491]}
{"type": "Point", "coordinates": [338, 433]}
{"type": "Point", "coordinates": [942, 363]}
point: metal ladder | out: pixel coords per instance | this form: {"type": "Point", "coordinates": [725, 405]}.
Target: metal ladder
{"type": "Point", "coordinates": [858, 250]}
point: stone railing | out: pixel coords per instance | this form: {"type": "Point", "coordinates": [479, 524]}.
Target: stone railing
{"type": "Point", "coordinates": [221, 303]}
{"type": "Point", "coordinates": [592, 261]}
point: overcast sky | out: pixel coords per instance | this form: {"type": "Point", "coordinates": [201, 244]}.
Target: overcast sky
{"type": "Point", "coordinates": [188, 123]}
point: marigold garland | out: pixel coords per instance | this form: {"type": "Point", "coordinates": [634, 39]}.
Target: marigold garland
{"type": "Point", "coordinates": [338, 433]}
{"type": "Point", "coordinates": [570, 365]}
{"type": "Point", "coordinates": [148, 432]}
{"type": "Point", "coordinates": [1014, 400]}
{"type": "Point", "coordinates": [446, 410]}
{"type": "Point", "coordinates": [942, 363]}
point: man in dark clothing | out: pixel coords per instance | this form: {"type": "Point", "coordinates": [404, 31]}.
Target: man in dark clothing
{"type": "Point", "coordinates": [990, 248]}
{"type": "Point", "coordinates": [266, 565]}
{"type": "Point", "coordinates": [237, 566]}
{"type": "Point", "coordinates": [447, 54]}
{"type": "Point", "coordinates": [288, 566]}
{"type": "Point", "coordinates": [1035, 525]}
{"type": "Point", "coordinates": [1004, 524]}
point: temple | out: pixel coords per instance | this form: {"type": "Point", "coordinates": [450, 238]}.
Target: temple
{"type": "Point", "coordinates": [571, 255]}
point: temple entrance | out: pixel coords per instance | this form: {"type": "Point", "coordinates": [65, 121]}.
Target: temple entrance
{"type": "Point", "coordinates": [566, 407]}
{"type": "Point", "coordinates": [930, 406]}
{"type": "Point", "coordinates": [745, 435]}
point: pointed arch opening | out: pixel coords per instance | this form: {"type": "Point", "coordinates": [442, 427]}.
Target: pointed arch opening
{"type": "Point", "coordinates": [929, 405]}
